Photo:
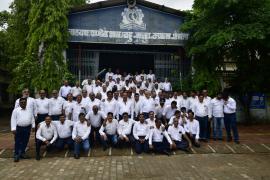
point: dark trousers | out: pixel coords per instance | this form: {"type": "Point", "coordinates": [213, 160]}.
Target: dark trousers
{"type": "Point", "coordinates": [181, 145]}
{"type": "Point", "coordinates": [203, 121]}
{"type": "Point", "coordinates": [41, 118]}
{"type": "Point", "coordinates": [193, 139]}
{"type": "Point", "coordinates": [61, 142]}
{"type": "Point", "coordinates": [94, 135]}
{"type": "Point", "coordinates": [39, 143]}
{"type": "Point", "coordinates": [208, 133]}
{"type": "Point", "coordinates": [123, 143]}
{"type": "Point", "coordinates": [231, 124]}
{"type": "Point", "coordinates": [141, 147]}
{"type": "Point", "coordinates": [111, 140]}
{"type": "Point", "coordinates": [160, 147]}
{"type": "Point", "coordinates": [21, 139]}
{"type": "Point", "coordinates": [55, 117]}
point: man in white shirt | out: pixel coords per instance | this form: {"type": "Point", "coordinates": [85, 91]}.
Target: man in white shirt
{"type": "Point", "coordinates": [42, 107]}
{"type": "Point", "coordinates": [125, 105]}
{"type": "Point", "coordinates": [184, 101]}
{"type": "Point", "coordinates": [46, 135]}
{"type": "Point", "coordinates": [148, 104]}
{"type": "Point", "coordinates": [177, 132]}
{"type": "Point", "coordinates": [56, 106]}
{"type": "Point", "coordinates": [80, 135]}
{"type": "Point", "coordinates": [207, 100]}
{"type": "Point", "coordinates": [169, 112]}
{"type": "Point", "coordinates": [157, 142]}
{"type": "Point", "coordinates": [95, 118]}
{"type": "Point", "coordinates": [108, 74]}
{"type": "Point", "coordinates": [108, 131]}
{"type": "Point", "coordinates": [151, 76]}
{"type": "Point", "coordinates": [137, 106]}
{"type": "Point", "coordinates": [64, 130]}
{"type": "Point", "coordinates": [110, 105]}
{"type": "Point", "coordinates": [64, 90]}
{"type": "Point", "coordinates": [31, 105]}
{"type": "Point", "coordinates": [67, 104]}
{"type": "Point", "coordinates": [230, 118]}
{"type": "Point", "coordinates": [216, 106]}
{"type": "Point", "coordinates": [160, 108]}
{"type": "Point", "coordinates": [85, 98]}
{"type": "Point", "coordinates": [76, 90]}
{"type": "Point", "coordinates": [141, 134]}
{"type": "Point", "coordinates": [192, 100]}
{"type": "Point", "coordinates": [124, 131]}
{"type": "Point", "coordinates": [76, 108]}
{"type": "Point", "coordinates": [167, 87]}
{"type": "Point", "coordinates": [202, 112]}
{"type": "Point", "coordinates": [193, 129]}
{"type": "Point", "coordinates": [22, 120]}
{"type": "Point", "coordinates": [88, 87]}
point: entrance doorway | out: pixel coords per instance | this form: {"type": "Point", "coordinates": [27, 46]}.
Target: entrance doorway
{"type": "Point", "coordinates": [126, 62]}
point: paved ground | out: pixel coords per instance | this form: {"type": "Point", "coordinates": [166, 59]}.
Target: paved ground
{"type": "Point", "coordinates": [214, 160]}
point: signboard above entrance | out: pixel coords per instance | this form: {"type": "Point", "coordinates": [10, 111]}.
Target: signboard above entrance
{"type": "Point", "coordinates": [123, 25]}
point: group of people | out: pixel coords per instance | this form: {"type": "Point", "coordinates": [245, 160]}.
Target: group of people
{"type": "Point", "coordinates": [119, 111]}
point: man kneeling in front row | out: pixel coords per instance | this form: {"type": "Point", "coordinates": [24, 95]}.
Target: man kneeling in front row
{"type": "Point", "coordinates": [157, 142]}
{"type": "Point", "coordinates": [176, 132]}
{"type": "Point", "coordinates": [46, 135]}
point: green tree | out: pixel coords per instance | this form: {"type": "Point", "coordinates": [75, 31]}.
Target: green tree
{"type": "Point", "coordinates": [235, 30]}
{"type": "Point", "coordinates": [43, 65]}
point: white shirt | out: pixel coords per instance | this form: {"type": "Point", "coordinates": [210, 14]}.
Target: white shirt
{"type": "Point", "coordinates": [140, 129]}
{"type": "Point", "coordinates": [64, 130]}
{"type": "Point", "coordinates": [85, 101]}
{"type": "Point", "coordinates": [22, 117]}
{"type": "Point", "coordinates": [151, 123]}
{"type": "Point", "coordinates": [192, 101]}
{"type": "Point", "coordinates": [126, 107]}
{"type": "Point", "coordinates": [76, 91]}
{"type": "Point", "coordinates": [42, 106]}
{"type": "Point", "coordinates": [88, 88]}
{"type": "Point", "coordinates": [95, 119]}
{"type": "Point", "coordinates": [75, 109]}
{"type": "Point", "coordinates": [217, 107]}
{"type": "Point", "coordinates": [151, 76]}
{"type": "Point", "coordinates": [31, 104]}
{"type": "Point", "coordinates": [107, 75]}
{"type": "Point", "coordinates": [67, 106]}
{"type": "Point", "coordinates": [148, 105]}
{"type": "Point", "coordinates": [81, 129]}
{"type": "Point", "coordinates": [157, 134]}
{"type": "Point", "coordinates": [184, 103]}
{"type": "Point", "coordinates": [56, 106]}
{"type": "Point", "coordinates": [97, 89]}
{"type": "Point", "coordinates": [176, 132]}
{"type": "Point", "coordinates": [230, 106]}
{"type": "Point", "coordinates": [201, 109]}
{"type": "Point", "coordinates": [137, 107]}
{"type": "Point", "coordinates": [91, 103]}
{"type": "Point", "coordinates": [167, 86]}
{"type": "Point", "coordinates": [46, 133]}
{"type": "Point", "coordinates": [159, 111]}
{"type": "Point", "coordinates": [124, 127]}
{"type": "Point", "coordinates": [169, 112]}
{"type": "Point", "coordinates": [194, 128]}
{"type": "Point", "coordinates": [110, 128]}
{"type": "Point", "coordinates": [64, 90]}
{"type": "Point", "coordinates": [109, 106]}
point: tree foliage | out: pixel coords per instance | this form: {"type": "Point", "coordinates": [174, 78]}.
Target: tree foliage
{"type": "Point", "coordinates": [42, 64]}
{"type": "Point", "coordinates": [235, 30]}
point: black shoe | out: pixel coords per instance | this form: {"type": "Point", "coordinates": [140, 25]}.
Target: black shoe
{"type": "Point", "coordinates": [105, 148]}
{"type": "Point", "coordinates": [167, 153]}
{"type": "Point", "coordinates": [23, 156]}
{"type": "Point", "coordinates": [237, 142]}
{"type": "Point", "coordinates": [38, 157]}
{"type": "Point", "coordinates": [16, 159]}
{"type": "Point", "coordinates": [220, 139]}
{"type": "Point", "coordinates": [76, 156]}
{"type": "Point", "coordinates": [229, 139]}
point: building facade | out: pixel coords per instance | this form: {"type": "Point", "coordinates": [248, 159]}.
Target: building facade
{"type": "Point", "coordinates": [127, 35]}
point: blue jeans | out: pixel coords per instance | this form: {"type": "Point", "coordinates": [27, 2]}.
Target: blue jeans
{"type": "Point", "coordinates": [160, 147]}
{"type": "Point", "coordinates": [217, 129]}
{"type": "Point", "coordinates": [84, 144]}
{"type": "Point", "coordinates": [141, 147]}
{"type": "Point", "coordinates": [203, 126]}
{"type": "Point", "coordinates": [231, 124]}
{"type": "Point", "coordinates": [21, 139]}
{"type": "Point", "coordinates": [111, 139]}
{"type": "Point", "coordinates": [61, 142]}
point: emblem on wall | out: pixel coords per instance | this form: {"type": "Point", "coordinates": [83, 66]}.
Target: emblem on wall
{"type": "Point", "coordinates": [132, 19]}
